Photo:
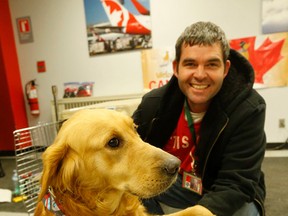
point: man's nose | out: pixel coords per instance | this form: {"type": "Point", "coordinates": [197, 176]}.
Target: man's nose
{"type": "Point", "coordinates": [200, 72]}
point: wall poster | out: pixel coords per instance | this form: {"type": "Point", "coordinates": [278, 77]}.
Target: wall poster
{"type": "Point", "coordinates": [268, 54]}
{"type": "Point", "coordinates": [274, 16]}
{"type": "Point", "coordinates": [117, 25]}
{"type": "Point", "coordinates": [157, 68]}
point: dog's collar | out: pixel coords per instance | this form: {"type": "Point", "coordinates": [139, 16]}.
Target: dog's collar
{"type": "Point", "coordinates": [53, 205]}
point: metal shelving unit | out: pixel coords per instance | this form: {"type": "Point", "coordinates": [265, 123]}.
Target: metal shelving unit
{"type": "Point", "coordinates": [30, 143]}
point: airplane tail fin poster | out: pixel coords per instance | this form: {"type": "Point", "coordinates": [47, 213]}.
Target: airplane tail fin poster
{"type": "Point", "coordinates": [117, 25]}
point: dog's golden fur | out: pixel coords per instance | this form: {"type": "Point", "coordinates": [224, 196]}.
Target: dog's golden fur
{"type": "Point", "coordinates": [98, 165]}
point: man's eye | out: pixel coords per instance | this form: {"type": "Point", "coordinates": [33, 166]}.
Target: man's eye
{"type": "Point", "coordinates": [190, 64]}
{"type": "Point", "coordinates": [212, 65]}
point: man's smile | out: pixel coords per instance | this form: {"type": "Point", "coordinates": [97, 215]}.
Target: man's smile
{"type": "Point", "coordinates": [199, 86]}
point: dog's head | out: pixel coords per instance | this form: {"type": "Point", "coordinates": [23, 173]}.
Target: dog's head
{"type": "Point", "coordinates": [98, 149]}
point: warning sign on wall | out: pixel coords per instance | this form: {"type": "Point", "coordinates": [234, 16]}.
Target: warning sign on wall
{"type": "Point", "coordinates": [24, 29]}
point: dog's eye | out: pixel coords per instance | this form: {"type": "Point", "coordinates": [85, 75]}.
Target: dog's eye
{"type": "Point", "coordinates": [114, 142]}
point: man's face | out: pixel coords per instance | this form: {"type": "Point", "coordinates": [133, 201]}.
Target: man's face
{"type": "Point", "coordinates": [200, 72]}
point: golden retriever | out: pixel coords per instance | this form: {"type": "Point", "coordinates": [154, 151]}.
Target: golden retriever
{"type": "Point", "coordinates": [98, 165]}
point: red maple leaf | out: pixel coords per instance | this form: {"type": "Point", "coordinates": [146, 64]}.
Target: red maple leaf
{"type": "Point", "coordinates": [115, 7]}
{"type": "Point", "coordinates": [263, 58]}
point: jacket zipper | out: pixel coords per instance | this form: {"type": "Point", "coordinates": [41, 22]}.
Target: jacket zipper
{"type": "Point", "coordinates": [261, 206]}
{"type": "Point", "coordinates": [208, 155]}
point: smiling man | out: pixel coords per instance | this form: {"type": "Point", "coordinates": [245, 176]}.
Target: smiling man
{"type": "Point", "coordinates": [211, 118]}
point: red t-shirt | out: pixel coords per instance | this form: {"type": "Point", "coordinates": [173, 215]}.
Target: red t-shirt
{"type": "Point", "coordinates": [181, 144]}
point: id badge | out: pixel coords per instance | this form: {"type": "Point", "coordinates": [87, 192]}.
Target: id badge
{"type": "Point", "coordinates": [192, 182]}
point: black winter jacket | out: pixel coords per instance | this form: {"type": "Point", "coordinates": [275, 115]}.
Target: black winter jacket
{"type": "Point", "coordinates": [232, 139]}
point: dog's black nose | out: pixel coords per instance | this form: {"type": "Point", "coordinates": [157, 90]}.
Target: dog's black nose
{"type": "Point", "coordinates": [172, 165]}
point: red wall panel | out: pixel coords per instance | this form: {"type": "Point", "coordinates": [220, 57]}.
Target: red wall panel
{"type": "Point", "coordinates": [12, 104]}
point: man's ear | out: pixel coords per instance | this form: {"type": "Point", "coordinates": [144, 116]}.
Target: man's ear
{"type": "Point", "coordinates": [227, 67]}
{"type": "Point", "coordinates": [175, 68]}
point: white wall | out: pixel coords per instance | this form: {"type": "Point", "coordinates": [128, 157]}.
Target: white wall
{"type": "Point", "coordinates": [59, 31]}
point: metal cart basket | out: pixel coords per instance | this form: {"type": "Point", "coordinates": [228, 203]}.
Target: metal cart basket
{"type": "Point", "coordinates": [30, 143]}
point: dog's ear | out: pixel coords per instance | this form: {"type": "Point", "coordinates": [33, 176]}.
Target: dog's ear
{"type": "Point", "coordinates": [61, 167]}
{"type": "Point", "coordinates": [52, 160]}
{"type": "Point", "coordinates": [69, 170]}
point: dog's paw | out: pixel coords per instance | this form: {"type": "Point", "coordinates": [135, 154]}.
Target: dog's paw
{"type": "Point", "coordinates": [196, 210]}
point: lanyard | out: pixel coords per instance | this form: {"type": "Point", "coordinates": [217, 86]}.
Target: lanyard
{"type": "Point", "coordinates": [190, 121]}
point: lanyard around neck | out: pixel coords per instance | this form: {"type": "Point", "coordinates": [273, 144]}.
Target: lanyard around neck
{"type": "Point", "coordinates": [190, 121]}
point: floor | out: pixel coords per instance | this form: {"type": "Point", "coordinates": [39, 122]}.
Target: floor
{"type": "Point", "coordinates": [274, 167]}
{"type": "Point", "coordinates": [8, 165]}
{"type": "Point", "coordinates": [276, 176]}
